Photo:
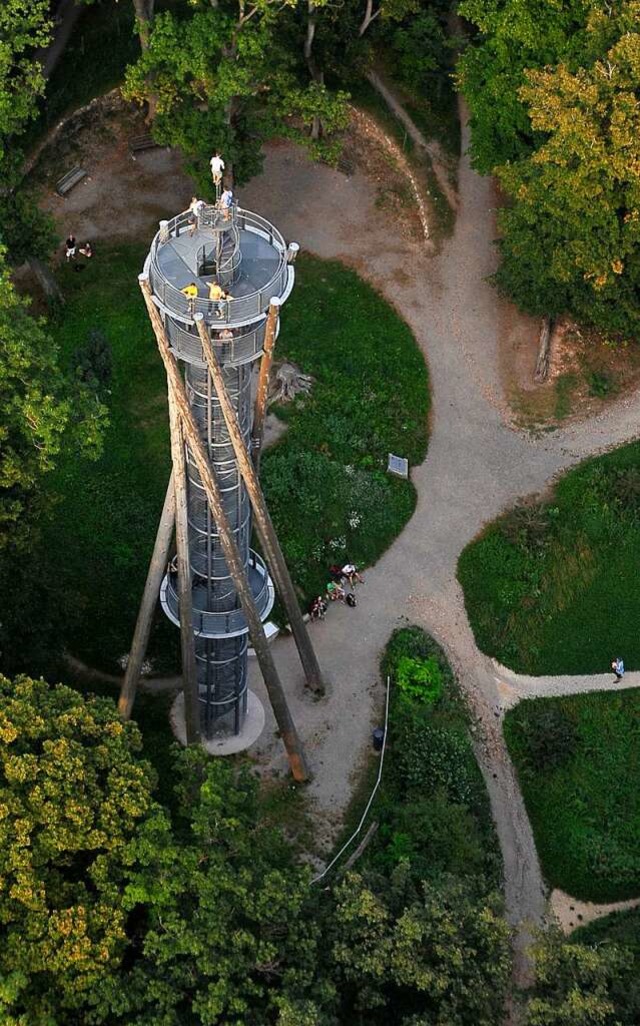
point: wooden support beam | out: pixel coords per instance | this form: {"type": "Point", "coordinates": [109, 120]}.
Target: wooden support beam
{"type": "Point", "coordinates": [156, 571]}
{"type": "Point", "coordinates": [185, 598]}
{"type": "Point", "coordinates": [263, 522]}
{"type": "Point", "coordinates": [262, 394]}
{"type": "Point", "coordinates": [286, 726]}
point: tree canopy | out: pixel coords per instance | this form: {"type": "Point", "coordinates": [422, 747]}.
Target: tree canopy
{"type": "Point", "coordinates": [554, 96]}
{"type": "Point", "coordinates": [72, 795]}
{"type": "Point", "coordinates": [39, 409]}
{"type": "Point", "coordinates": [224, 78]}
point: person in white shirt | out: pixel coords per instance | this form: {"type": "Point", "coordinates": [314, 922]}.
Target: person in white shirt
{"type": "Point", "coordinates": [226, 202]}
{"type": "Point", "coordinates": [350, 571]}
{"type": "Point", "coordinates": [195, 207]}
{"type": "Point", "coordinates": [217, 167]}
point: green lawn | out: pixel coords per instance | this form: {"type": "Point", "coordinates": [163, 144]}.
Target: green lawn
{"type": "Point", "coordinates": [325, 481]}
{"type": "Point", "coordinates": [578, 760]}
{"type": "Point", "coordinates": [552, 587]}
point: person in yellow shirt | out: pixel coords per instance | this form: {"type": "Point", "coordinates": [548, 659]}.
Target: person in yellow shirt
{"type": "Point", "coordinates": [191, 292]}
{"type": "Point", "coordinates": [217, 294]}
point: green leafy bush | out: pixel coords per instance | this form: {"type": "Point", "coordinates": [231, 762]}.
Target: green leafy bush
{"type": "Point", "coordinates": [419, 678]}
{"type": "Point", "coordinates": [548, 735]}
{"type": "Point", "coordinates": [432, 757]}
{"type": "Point", "coordinates": [93, 361]}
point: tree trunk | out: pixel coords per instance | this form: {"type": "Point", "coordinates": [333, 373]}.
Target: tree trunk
{"type": "Point", "coordinates": [144, 15]}
{"type": "Point", "coordinates": [369, 16]}
{"type": "Point", "coordinates": [544, 351]}
{"type": "Point", "coordinates": [314, 71]}
{"type": "Point", "coordinates": [47, 282]}
{"type": "Point", "coordinates": [229, 114]}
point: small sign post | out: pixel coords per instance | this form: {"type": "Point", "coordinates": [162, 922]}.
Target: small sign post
{"type": "Point", "coordinates": [398, 465]}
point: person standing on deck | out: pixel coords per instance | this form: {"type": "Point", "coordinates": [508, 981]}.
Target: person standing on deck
{"type": "Point", "coordinates": [217, 167]}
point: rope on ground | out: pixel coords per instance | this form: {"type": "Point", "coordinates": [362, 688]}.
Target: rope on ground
{"type": "Point", "coordinates": [344, 847]}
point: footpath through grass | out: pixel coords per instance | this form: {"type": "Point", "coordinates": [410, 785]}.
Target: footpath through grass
{"type": "Point", "coordinates": [325, 481]}
{"type": "Point", "coordinates": [552, 587]}
{"type": "Point", "coordinates": [578, 761]}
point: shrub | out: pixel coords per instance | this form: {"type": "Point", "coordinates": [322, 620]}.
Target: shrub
{"type": "Point", "coordinates": [431, 758]}
{"type": "Point", "coordinates": [93, 362]}
{"type": "Point", "coordinates": [548, 735]}
{"type": "Point", "coordinates": [419, 678]}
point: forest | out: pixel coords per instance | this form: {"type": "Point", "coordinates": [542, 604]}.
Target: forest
{"type": "Point", "coordinates": [140, 883]}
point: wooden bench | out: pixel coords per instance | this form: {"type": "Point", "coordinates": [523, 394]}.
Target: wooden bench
{"type": "Point", "coordinates": [140, 143]}
{"type": "Point", "coordinates": [68, 181]}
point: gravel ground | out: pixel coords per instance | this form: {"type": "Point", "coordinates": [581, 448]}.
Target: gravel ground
{"type": "Point", "coordinates": [476, 467]}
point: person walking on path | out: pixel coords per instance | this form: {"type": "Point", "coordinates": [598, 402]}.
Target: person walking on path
{"type": "Point", "coordinates": [618, 668]}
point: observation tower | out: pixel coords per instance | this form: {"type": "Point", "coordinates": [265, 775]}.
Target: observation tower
{"type": "Point", "coordinates": [213, 282]}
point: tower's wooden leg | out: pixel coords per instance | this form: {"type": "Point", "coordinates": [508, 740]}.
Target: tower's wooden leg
{"type": "Point", "coordinates": [263, 522]}
{"type": "Point", "coordinates": [187, 640]}
{"type": "Point", "coordinates": [157, 567]}
{"type": "Point", "coordinates": [260, 409]}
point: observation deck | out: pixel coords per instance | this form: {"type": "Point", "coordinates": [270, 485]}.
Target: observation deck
{"type": "Point", "coordinates": [255, 269]}
{"type": "Point", "coordinates": [227, 623]}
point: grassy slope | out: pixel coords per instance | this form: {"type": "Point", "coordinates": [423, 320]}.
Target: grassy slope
{"type": "Point", "coordinates": [566, 599]}
{"type": "Point", "coordinates": [585, 810]}
{"type": "Point", "coordinates": [370, 398]}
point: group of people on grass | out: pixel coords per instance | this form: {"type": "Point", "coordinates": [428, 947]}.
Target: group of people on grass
{"type": "Point", "coordinates": [72, 248]}
{"type": "Point", "coordinates": [341, 588]}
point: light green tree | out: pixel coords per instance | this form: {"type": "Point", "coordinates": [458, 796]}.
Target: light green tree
{"type": "Point", "coordinates": [72, 796]}
{"type": "Point", "coordinates": [574, 983]}
{"type": "Point", "coordinates": [572, 233]}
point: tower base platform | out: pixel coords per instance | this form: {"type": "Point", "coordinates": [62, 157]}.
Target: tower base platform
{"type": "Point", "coordinates": [223, 743]}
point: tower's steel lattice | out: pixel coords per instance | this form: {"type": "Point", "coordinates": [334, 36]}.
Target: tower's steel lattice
{"type": "Point", "coordinates": [246, 255]}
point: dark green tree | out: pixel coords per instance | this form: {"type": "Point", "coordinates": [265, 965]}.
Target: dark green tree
{"type": "Point", "coordinates": [24, 27]}
{"type": "Point", "coordinates": [229, 930]}
{"type": "Point", "coordinates": [224, 79]}
{"type": "Point", "coordinates": [439, 952]}
{"type": "Point", "coordinates": [40, 409]}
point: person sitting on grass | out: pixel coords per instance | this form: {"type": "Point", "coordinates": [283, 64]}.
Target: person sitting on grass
{"type": "Point", "coordinates": [86, 250]}
{"type": "Point", "coordinates": [335, 592]}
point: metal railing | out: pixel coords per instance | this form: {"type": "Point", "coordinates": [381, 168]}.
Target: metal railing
{"type": "Point", "coordinates": [234, 310]}
{"type": "Point", "coordinates": [241, 348]}
{"type": "Point", "coordinates": [215, 625]}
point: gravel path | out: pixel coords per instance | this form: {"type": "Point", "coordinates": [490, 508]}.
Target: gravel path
{"type": "Point", "coordinates": [476, 467]}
